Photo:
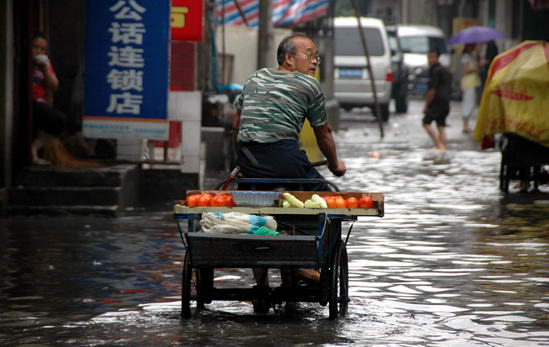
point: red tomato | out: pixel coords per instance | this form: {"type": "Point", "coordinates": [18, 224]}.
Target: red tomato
{"type": "Point", "coordinates": [218, 200]}
{"type": "Point", "coordinates": [340, 202]}
{"type": "Point", "coordinates": [229, 202]}
{"type": "Point", "coordinates": [192, 200]}
{"type": "Point", "coordinates": [204, 200]}
{"type": "Point", "coordinates": [352, 202]}
{"type": "Point", "coordinates": [365, 202]}
{"type": "Point", "coordinates": [330, 201]}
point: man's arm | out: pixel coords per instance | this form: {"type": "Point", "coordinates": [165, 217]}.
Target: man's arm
{"type": "Point", "coordinates": [429, 97]}
{"type": "Point", "coordinates": [431, 93]}
{"type": "Point", "coordinates": [327, 145]}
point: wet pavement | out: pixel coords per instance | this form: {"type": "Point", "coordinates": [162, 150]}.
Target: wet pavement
{"type": "Point", "coordinates": [454, 262]}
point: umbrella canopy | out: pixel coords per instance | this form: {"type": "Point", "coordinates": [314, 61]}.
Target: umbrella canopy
{"type": "Point", "coordinates": [474, 34]}
{"type": "Point", "coordinates": [514, 98]}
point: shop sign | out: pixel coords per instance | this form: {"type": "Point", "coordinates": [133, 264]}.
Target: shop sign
{"type": "Point", "coordinates": [127, 47]}
{"type": "Point", "coordinates": [187, 20]}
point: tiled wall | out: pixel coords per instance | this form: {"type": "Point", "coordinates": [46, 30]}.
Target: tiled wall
{"type": "Point", "coordinates": [186, 107]}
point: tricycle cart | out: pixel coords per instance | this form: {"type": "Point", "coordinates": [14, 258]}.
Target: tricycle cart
{"type": "Point", "coordinates": [514, 104]}
{"type": "Point", "coordinates": [313, 239]}
{"type": "Point", "coordinates": [522, 159]}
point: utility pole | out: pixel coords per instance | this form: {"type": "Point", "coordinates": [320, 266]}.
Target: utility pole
{"type": "Point", "coordinates": [404, 13]}
{"type": "Point", "coordinates": [265, 33]}
{"type": "Point", "coordinates": [369, 67]}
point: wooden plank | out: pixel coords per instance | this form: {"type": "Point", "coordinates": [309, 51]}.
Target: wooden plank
{"type": "Point", "coordinates": [351, 212]}
{"type": "Point", "coordinates": [378, 209]}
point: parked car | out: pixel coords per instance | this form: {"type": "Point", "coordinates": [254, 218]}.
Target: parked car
{"type": "Point", "coordinates": [351, 80]}
{"type": "Point", "coordinates": [416, 41]}
{"type": "Point", "coordinates": [400, 71]}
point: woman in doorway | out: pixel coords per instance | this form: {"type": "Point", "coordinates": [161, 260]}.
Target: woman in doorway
{"type": "Point", "coordinates": [48, 122]}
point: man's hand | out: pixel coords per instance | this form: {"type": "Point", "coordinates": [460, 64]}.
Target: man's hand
{"type": "Point", "coordinates": [327, 146]}
{"type": "Point", "coordinates": [429, 97]}
{"type": "Point", "coordinates": [338, 170]}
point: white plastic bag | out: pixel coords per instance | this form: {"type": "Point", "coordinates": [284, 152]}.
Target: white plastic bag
{"type": "Point", "coordinates": [234, 222]}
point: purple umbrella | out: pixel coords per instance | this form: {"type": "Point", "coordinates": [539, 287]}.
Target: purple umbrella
{"type": "Point", "coordinates": [474, 35]}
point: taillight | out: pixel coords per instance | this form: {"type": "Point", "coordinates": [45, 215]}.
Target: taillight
{"type": "Point", "coordinates": [389, 76]}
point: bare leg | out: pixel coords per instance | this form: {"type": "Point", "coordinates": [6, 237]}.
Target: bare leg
{"type": "Point", "coordinates": [438, 144]}
{"type": "Point", "coordinates": [35, 148]}
{"type": "Point", "coordinates": [41, 141]}
{"type": "Point", "coordinates": [442, 136]}
{"type": "Point", "coordinates": [466, 125]}
{"type": "Point", "coordinates": [311, 274]}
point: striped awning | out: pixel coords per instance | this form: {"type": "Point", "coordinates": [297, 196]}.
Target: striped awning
{"type": "Point", "coordinates": [285, 12]}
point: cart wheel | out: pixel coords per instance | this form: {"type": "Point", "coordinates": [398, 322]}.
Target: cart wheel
{"type": "Point", "coordinates": [186, 287]}
{"type": "Point", "coordinates": [339, 283]}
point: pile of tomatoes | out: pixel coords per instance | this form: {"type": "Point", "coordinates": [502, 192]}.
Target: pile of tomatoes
{"type": "Point", "coordinates": [206, 199]}
{"type": "Point", "coordinates": [337, 201]}
{"type": "Point", "coordinates": [226, 200]}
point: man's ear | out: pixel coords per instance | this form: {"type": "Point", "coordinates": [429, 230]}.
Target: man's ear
{"type": "Point", "coordinates": [289, 60]}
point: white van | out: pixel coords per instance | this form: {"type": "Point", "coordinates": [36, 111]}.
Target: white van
{"type": "Point", "coordinates": [352, 81]}
{"type": "Point", "coordinates": [416, 41]}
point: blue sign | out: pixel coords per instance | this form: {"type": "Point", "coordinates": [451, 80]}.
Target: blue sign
{"type": "Point", "coordinates": [127, 63]}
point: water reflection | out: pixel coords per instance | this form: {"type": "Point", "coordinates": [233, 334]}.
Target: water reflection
{"type": "Point", "coordinates": [453, 262]}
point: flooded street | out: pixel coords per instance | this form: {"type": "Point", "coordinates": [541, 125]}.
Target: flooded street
{"type": "Point", "coordinates": [454, 262]}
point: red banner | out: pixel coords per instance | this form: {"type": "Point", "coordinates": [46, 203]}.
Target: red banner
{"type": "Point", "coordinates": [187, 20]}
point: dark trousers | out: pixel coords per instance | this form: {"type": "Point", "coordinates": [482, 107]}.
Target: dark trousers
{"type": "Point", "coordinates": [48, 118]}
{"type": "Point", "coordinates": [281, 159]}
{"type": "Point", "coordinates": [438, 111]}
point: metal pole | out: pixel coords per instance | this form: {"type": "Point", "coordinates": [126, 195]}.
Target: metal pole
{"type": "Point", "coordinates": [241, 13]}
{"type": "Point", "coordinates": [372, 81]}
{"type": "Point", "coordinates": [265, 33]}
{"type": "Point", "coordinates": [223, 82]}
{"type": "Point", "coordinates": [404, 14]}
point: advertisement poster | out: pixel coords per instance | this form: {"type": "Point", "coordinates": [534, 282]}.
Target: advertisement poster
{"type": "Point", "coordinates": [127, 62]}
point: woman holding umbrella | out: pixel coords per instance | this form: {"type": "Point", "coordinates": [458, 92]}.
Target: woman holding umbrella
{"type": "Point", "coordinates": [469, 82]}
{"type": "Point", "coordinates": [470, 37]}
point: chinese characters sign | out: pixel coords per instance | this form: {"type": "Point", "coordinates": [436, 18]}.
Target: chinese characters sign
{"type": "Point", "coordinates": [127, 69]}
{"type": "Point", "coordinates": [187, 20]}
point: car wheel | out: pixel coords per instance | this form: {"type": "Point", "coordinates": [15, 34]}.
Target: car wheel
{"type": "Point", "coordinates": [384, 108]}
{"type": "Point", "coordinates": [401, 99]}
{"type": "Point", "coordinates": [384, 112]}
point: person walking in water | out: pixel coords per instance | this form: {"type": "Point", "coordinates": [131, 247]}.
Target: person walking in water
{"type": "Point", "coordinates": [469, 83]}
{"type": "Point", "coordinates": [437, 103]}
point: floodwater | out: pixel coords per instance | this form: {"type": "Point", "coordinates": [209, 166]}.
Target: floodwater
{"type": "Point", "coordinates": [453, 263]}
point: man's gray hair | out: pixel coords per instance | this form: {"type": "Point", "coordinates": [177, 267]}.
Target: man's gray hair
{"type": "Point", "coordinates": [287, 45]}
